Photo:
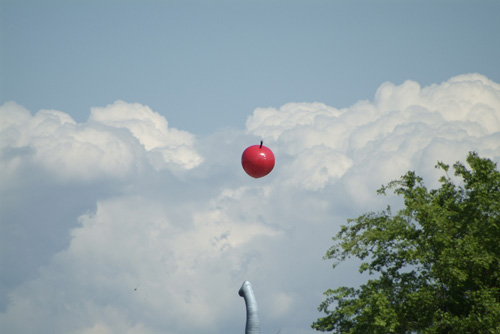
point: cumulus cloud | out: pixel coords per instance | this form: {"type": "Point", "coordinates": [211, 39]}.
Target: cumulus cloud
{"type": "Point", "coordinates": [401, 129]}
{"type": "Point", "coordinates": [112, 144]}
{"type": "Point", "coordinates": [166, 146]}
{"type": "Point", "coordinates": [160, 251]}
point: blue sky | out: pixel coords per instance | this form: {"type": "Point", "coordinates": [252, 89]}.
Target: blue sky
{"type": "Point", "coordinates": [206, 65]}
{"type": "Point", "coordinates": [123, 204]}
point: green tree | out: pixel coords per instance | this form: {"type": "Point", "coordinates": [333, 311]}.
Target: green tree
{"type": "Point", "coordinates": [435, 263]}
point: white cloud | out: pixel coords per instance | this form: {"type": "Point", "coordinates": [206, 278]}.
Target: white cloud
{"type": "Point", "coordinates": [129, 262]}
{"type": "Point", "coordinates": [167, 146]}
{"type": "Point", "coordinates": [113, 144]}
{"type": "Point", "coordinates": [152, 251]}
{"type": "Point", "coordinates": [389, 135]}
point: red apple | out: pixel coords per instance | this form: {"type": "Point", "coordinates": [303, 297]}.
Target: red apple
{"type": "Point", "coordinates": [257, 161]}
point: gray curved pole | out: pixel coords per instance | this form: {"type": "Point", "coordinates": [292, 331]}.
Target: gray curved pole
{"type": "Point", "coordinates": [253, 323]}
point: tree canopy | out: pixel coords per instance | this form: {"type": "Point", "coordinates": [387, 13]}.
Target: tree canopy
{"type": "Point", "coordinates": [435, 263]}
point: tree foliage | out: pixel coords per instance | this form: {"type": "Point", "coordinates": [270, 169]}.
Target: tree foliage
{"type": "Point", "coordinates": [435, 263]}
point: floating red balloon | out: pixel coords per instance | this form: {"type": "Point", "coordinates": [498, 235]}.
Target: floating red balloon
{"type": "Point", "coordinates": [257, 161]}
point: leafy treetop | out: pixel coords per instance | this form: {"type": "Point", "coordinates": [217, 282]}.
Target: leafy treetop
{"type": "Point", "coordinates": [436, 261]}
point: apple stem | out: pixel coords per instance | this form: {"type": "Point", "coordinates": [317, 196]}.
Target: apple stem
{"type": "Point", "coordinates": [261, 144]}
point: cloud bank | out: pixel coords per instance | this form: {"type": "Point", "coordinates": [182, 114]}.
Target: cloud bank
{"type": "Point", "coordinates": [123, 224]}
{"type": "Point", "coordinates": [116, 141]}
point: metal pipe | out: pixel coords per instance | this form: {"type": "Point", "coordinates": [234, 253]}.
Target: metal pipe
{"type": "Point", "coordinates": [253, 322]}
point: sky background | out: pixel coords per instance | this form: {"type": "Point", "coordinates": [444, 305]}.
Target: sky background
{"type": "Point", "coordinates": [123, 205]}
